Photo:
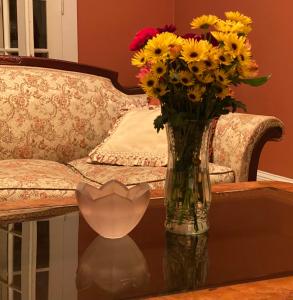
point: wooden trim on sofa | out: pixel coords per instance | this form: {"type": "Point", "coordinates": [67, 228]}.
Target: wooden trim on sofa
{"type": "Point", "coordinates": [68, 66]}
{"type": "Point", "coordinates": [271, 134]}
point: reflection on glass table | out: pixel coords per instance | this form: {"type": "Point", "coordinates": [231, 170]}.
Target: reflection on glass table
{"type": "Point", "coordinates": [62, 258]}
{"type": "Point", "coordinates": [117, 266]}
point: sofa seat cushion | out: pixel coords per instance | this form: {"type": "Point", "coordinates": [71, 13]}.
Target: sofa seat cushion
{"type": "Point", "coordinates": [35, 179]}
{"type": "Point", "coordinates": [99, 174]}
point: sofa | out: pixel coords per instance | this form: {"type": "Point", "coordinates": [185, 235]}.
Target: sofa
{"type": "Point", "coordinates": [53, 113]}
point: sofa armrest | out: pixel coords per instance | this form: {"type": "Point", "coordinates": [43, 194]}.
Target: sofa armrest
{"type": "Point", "coordinates": [239, 140]}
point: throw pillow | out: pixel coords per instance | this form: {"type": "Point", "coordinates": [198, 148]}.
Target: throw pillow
{"type": "Point", "coordinates": [133, 142]}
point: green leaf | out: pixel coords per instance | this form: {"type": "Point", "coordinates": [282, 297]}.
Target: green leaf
{"type": "Point", "coordinates": [257, 81]}
{"type": "Point", "coordinates": [159, 122]}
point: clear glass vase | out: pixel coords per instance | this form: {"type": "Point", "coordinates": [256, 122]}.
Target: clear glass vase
{"type": "Point", "coordinates": [187, 188]}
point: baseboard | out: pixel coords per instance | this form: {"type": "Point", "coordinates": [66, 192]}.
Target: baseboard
{"type": "Point", "coordinates": [265, 176]}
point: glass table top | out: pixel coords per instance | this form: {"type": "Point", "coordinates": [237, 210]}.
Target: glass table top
{"type": "Point", "coordinates": [250, 238]}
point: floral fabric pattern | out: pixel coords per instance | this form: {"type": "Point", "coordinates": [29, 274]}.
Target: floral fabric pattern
{"type": "Point", "coordinates": [35, 179]}
{"type": "Point", "coordinates": [235, 137]}
{"type": "Point", "coordinates": [57, 115]}
{"type": "Point", "coordinates": [131, 175]}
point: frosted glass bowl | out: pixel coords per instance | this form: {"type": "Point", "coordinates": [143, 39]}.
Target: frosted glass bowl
{"type": "Point", "coordinates": [112, 210]}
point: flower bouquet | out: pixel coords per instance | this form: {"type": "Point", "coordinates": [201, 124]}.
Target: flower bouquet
{"type": "Point", "coordinates": [192, 75]}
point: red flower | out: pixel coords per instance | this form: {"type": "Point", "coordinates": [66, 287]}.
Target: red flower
{"type": "Point", "coordinates": [142, 37]}
{"type": "Point", "coordinates": [167, 28]}
{"type": "Point", "coordinates": [192, 36]}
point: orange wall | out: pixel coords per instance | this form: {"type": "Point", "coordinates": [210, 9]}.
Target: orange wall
{"type": "Point", "coordinates": [106, 28]}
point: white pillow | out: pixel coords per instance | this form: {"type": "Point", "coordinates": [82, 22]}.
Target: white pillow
{"type": "Point", "coordinates": [133, 142]}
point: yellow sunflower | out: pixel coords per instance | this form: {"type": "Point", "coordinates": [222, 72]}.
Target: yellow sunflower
{"type": "Point", "coordinates": [212, 61]}
{"type": "Point", "coordinates": [156, 48]}
{"type": "Point", "coordinates": [174, 77]}
{"type": "Point", "coordinates": [225, 58]}
{"type": "Point", "coordinates": [222, 77]}
{"type": "Point", "coordinates": [248, 70]}
{"type": "Point", "coordinates": [186, 78]}
{"type": "Point", "coordinates": [233, 44]}
{"type": "Point", "coordinates": [159, 68]}
{"type": "Point", "coordinates": [148, 81]}
{"type": "Point", "coordinates": [193, 50]}
{"type": "Point", "coordinates": [238, 17]}
{"type": "Point", "coordinates": [244, 55]}
{"type": "Point", "coordinates": [219, 36]}
{"type": "Point", "coordinates": [171, 39]}
{"type": "Point", "coordinates": [197, 67]}
{"type": "Point", "coordinates": [195, 93]}
{"type": "Point", "coordinates": [223, 92]}
{"type": "Point", "coordinates": [203, 22]}
{"type": "Point", "coordinates": [232, 26]}
{"type": "Point", "coordinates": [139, 59]}
{"type": "Point", "coordinates": [160, 89]}
{"type": "Point", "coordinates": [205, 77]}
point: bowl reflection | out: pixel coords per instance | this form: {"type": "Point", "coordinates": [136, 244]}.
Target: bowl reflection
{"type": "Point", "coordinates": [114, 265]}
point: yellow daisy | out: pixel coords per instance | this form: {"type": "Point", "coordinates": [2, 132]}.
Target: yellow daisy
{"type": "Point", "coordinates": [204, 21]}
{"type": "Point", "coordinates": [219, 36]}
{"type": "Point", "coordinates": [139, 59]}
{"type": "Point", "coordinates": [174, 77]}
{"type": "Point", "coordinates": [248, 70]}
{"type": "Point", "coordinates": [186, 78]}
{"type": "Point", "coordinates": [244, 55]}
{"type": "Point", "coordinates": [222, 77]}
{"type": "Point", "coordinates": [223, 92]}
{"type": "Point", "coordinates": [232, 26]}
{"type": "Point", "coordinates": [148, 81]}
{"type": "Point", "coordinates": [171, 39]}
{"type": "Point", "coordinates": [197, 67]}
{"type": "Point", "coordinates": [225, 57]}
{"type": "Point", "coordinates": [160, 89]}
{"type": "Point", "coordinates": [212, 60]}
{"type": "Point", "coordinates": [193, 50]}
{"type": "Point", "coordinates": [238, 17]}
{"type": "Point", "coordinates": [195, 93]}
{"type": "Point", "coordinates": [233, 44]}
{"type": "Point", "coordinates": [205, 77]}
{"type": "Point", "coordinates": [159, 68]}
{"type": "Point", "coordinates": [156, 48]}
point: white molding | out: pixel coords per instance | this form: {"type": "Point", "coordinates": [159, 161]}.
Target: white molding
{"type": "Point", "coordinates": [54, 29]}
{"type": "Point", "coordinates": [265, 176]}
{"type": "Point", "coordinates": [62, 29]}
{"type": "Point", "coordinates": [69, 30]}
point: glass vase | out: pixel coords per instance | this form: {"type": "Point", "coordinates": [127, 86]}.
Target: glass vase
{"type": "Point", "coordinates": [187, 188]}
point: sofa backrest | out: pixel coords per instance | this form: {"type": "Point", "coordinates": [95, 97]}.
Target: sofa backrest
{"type": "Point", "coordinates": [59, 115]}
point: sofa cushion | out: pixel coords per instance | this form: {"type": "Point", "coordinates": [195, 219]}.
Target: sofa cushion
{"type": "Point", "coordinates": [134, 142]}
{"type": "Point", "coordinates": [154, 176]}
{"type": "Point", "coordinates": [36, 179]}
{"type": "Point", "coordinates": [57, 115]}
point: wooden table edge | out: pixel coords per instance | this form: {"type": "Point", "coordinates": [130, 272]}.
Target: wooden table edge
{"type": "Point", "coordinates": [40, 206]}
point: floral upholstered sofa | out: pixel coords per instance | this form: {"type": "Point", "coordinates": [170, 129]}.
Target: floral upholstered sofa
{"type": "Point", "coordinates": [53, 113]}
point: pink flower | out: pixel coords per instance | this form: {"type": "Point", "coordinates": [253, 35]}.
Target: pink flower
{"type": "Point", "coordinates": [142, 37]}
{"type": "Point", "coordinates": [142, 72]}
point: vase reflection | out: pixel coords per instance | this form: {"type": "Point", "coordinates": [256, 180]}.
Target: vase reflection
{"type": "Point", "coordinates": [185, 261]}
{"type": "Point", "coordinates": [114, 265]}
